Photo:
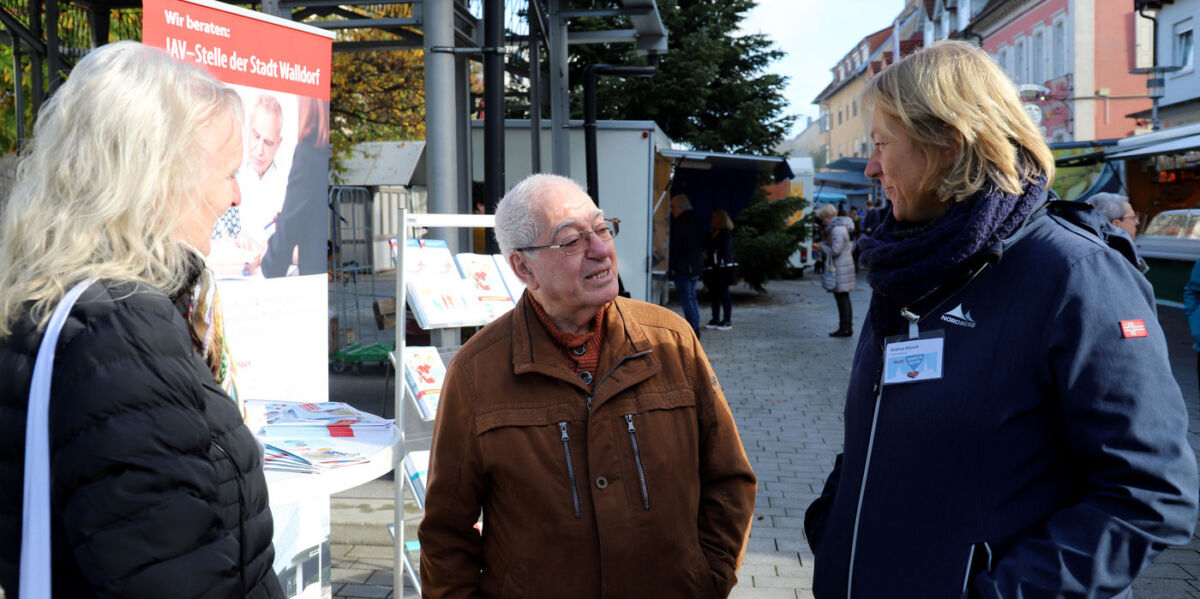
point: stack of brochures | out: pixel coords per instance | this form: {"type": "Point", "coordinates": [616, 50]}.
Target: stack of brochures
{"type": "Point", "coordinates": [289, 455]}
{"type": "Point", "coordinates": [455, 290]}
{"type": "Point", "coordinates": [291, 420]}
{"type": "Point", "coordinates": [416, 470]}
{"type": "Point", "coordinates": [424, 374]}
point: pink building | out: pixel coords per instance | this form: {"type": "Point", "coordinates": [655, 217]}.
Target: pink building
{"type": "Point", "coordinates": [1070, 58]}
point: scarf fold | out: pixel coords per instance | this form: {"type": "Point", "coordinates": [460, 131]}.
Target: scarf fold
{"type": "Point", "coordinates": [907, 262]}
{"type": "Point", "coordinates": [200, 304]}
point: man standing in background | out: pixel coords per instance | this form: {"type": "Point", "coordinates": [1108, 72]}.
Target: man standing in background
{"type": "Point", "coordinates": [684, 258]}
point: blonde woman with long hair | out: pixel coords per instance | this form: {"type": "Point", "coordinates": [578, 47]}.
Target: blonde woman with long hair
{"type": "Point", "coordinates": [157, 486]}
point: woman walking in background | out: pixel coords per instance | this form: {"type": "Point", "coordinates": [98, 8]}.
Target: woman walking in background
{"type": "Point", "coordinates": [840, 249]}
{"type": "Point", "coordinates": [718, 256]}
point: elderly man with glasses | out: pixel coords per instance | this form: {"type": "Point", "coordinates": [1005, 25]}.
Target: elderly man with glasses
{"type": "Point", "coordinates": [589, 430]}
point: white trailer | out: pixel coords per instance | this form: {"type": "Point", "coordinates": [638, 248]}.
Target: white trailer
{"type": "Point", "coordinates": [632, 178]}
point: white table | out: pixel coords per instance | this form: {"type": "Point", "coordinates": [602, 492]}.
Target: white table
{"type": "Point", "coordinates": [300, 507]}
{"type": "Point", "coordinates": [379, 448]}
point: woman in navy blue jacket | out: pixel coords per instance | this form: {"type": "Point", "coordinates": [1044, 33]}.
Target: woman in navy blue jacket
{"type": "Point", "coordinates": [1012, 428]}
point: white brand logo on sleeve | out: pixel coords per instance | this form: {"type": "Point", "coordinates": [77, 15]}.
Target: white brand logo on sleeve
{"type": "Point", "coordinates": [958, 317]}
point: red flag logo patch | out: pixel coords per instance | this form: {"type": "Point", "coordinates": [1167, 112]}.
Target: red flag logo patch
{"type": "Point", "coordinates": [1133, 328]}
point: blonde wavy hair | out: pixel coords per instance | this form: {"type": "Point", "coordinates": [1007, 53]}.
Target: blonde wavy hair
{"type": "Point", "coordinates": [114, 163]}
{"type": "Point", "coordinates": [953, 99]}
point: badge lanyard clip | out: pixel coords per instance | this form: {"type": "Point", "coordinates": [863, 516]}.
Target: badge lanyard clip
{"type": "Point", "coordinates": [913, 331]}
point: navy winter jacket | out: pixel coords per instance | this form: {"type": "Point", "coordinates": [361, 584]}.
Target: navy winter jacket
{"type": "Point", "coordinates": [1051, 460]}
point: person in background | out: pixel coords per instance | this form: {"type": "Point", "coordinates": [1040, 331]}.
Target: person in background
{"type": "Point", "coordinates": [1117, 209]}
{"type": "Point", "coordinates": [837, 244]}
{"type": "Point", "coordinates": [299, 244]}
{"type": "Point", "coordinates": [871, 219]}
{"type": "Point", "coordinates": [718, 255]}
{"type": "Point", "coordinates": [157, 485]}
{"type": "Point", "coordinates": [1191, 308]}
{"type": "Point", "coordinates": [1012, 428]}
{"type": "Point", "coordinates": [684, 257]}
{"type": "Point", "coordinates": [588, 429]}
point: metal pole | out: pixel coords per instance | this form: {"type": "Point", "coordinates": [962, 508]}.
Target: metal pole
{"type": "Point", "coordinates": [19, 90]}
{"type": "Point", "coordinates": [589, 130]}
{"type": "Point", "coordinates": [442, 136]}
{"type": "Point", "coordinates": [560, 108]}
{"type": "Point", "coordinates": [98, 22]}
{"type": "Point", "coordinates": [36, 81]}
{"type": "Point", "coordinates": [52, 57]}
{"type": "Point", "coordinates": [440, 139]}
{"type": "Point", "coordinates": [589, 112]}
{"type": "Point", "coordinates": [493, 92]}
{"type": "Point", "coordinates": [462, 124]}
{"type": "Point", "coordinates": [535, 89]}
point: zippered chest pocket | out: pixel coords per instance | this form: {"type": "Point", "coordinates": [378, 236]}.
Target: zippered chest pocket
{"type": "Point", "coordinates": [659, 441]}
{"type": "Point", "coordinates": [537, 456]}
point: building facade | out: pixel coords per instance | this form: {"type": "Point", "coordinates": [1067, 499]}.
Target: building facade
{"type": "Point", "coordinates": [1174, 46]}
{"type": "Point", "coordinates": [1071, 59]}
{"type": "Point", "coordinates": [845, 123]}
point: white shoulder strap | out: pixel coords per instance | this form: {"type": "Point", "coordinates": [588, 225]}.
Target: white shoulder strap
{"type": "Point", "coordinates": [35, 529]}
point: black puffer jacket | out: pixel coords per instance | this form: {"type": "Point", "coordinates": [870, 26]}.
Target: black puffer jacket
{"type": "Point", "coordinates": [157, 486]}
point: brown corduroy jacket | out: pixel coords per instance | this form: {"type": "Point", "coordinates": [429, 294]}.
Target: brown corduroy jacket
{"type": "Point", "coordinates": [639, 487]}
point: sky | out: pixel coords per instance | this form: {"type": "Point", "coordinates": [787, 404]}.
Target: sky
{"type": "Point", "coordinates": [815, 34]}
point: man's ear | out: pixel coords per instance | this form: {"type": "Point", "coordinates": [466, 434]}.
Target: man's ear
{"type": "Point", "coordinates": [521, 266]}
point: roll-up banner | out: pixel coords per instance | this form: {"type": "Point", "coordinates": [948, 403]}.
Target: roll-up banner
{"type": "Point", "coordinates": [268, 253]}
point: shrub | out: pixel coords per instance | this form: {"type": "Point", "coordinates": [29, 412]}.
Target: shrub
{"type": "Point", "coordinates": [763, 242]}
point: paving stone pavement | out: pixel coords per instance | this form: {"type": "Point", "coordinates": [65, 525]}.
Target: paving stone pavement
{"type": "Point", "coordinates": [785, 380]}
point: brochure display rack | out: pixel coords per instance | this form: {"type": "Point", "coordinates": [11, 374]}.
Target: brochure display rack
{"type": "Point", "coordinates": [412, 467]}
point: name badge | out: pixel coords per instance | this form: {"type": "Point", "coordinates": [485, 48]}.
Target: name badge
{"type": "Point", "coordinates": [912, 360]}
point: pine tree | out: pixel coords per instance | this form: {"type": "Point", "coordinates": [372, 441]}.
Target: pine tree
{"type": "Point", "coordinates": [710, 92]}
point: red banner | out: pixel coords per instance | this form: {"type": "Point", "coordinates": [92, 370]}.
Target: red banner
{"type": "Point", "coordinates": [241, 46]}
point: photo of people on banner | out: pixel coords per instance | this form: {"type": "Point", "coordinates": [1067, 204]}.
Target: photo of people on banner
{"type": "Point", "coordinates": [279, 228]}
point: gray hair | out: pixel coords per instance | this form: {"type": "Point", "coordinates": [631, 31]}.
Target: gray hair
{"type": "Point", "coordinates": [516, 222]}
{"type": "Point", "coordinates": [682, 201]}
{"type": "Point", "coordinates": [826, 211]}
{"type": "Point", "coordinates": [1111, 205]}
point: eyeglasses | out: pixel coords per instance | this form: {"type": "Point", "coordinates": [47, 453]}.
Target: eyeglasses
{"type": "Point", "coordinates": [1136, 218]}
{"type": "Point", "coordinates": [577, 242]}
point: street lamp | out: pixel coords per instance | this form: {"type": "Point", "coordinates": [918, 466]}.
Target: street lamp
{"type": "Point", "coordinates": [1155, 86]}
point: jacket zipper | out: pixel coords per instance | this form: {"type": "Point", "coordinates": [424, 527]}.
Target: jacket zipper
{"type": "Point", "coordinates": [562, 427]}
{"type": "Point", "coordinates": [637, 458]}
{"type": "Point", "coordinates": [862, 488]}
{"type": "Point", "coordinates": [241, 517]}
{"type": "Point", "coordinates": [971, 561]}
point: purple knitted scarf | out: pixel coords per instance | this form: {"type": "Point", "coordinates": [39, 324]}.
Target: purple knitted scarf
{"type": "Point", "coordinates": [906, 262]}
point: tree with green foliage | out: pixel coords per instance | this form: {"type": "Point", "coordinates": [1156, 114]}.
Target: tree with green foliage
{"type": "Point", "coordinates": [377, 95]}
{"type": "Point", "coordinates": [74, 38]}
{"type": "Point", "coordinates": [763, 241]}
{"type": "Point", "coordinates": [711, 90]}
